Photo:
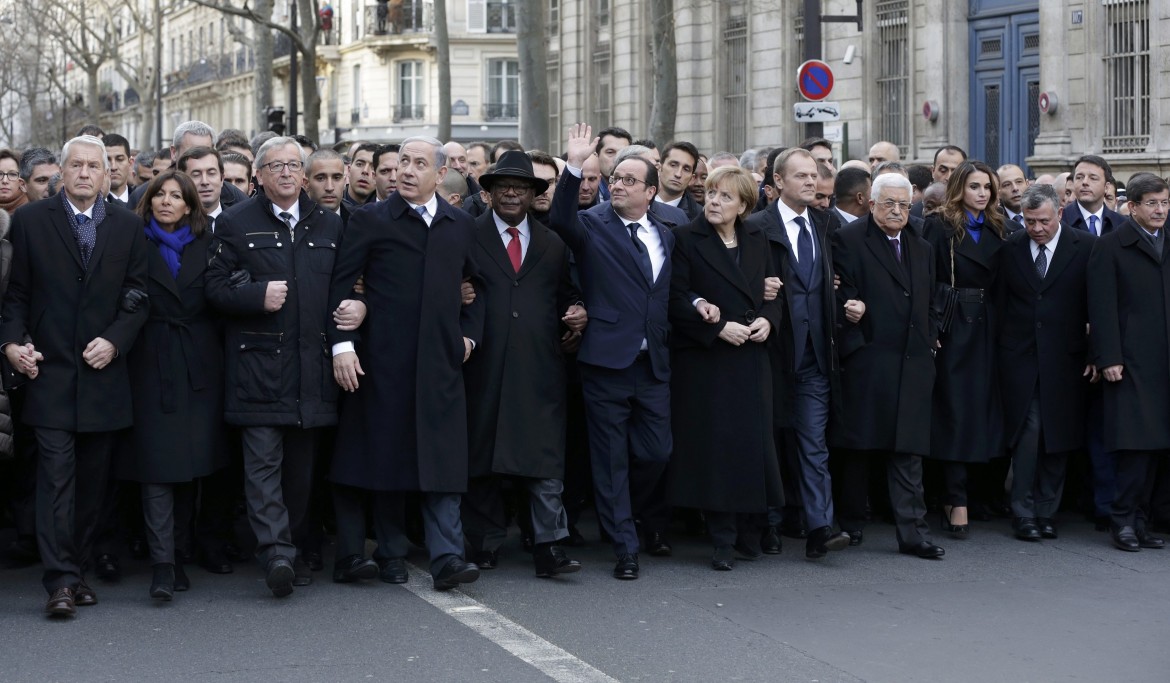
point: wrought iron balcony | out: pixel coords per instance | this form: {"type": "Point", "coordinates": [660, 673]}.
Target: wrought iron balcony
{"type": "Point", "coordinates": [397, 18]}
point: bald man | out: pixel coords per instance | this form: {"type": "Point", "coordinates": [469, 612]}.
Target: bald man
{"type": "Point", "coordinates": [1012, 184]}
{"type": "Point", "coordinates": [883, 151]}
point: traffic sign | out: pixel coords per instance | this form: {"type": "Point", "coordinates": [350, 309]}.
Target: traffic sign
{"type": "Point", "coordinates": [817, 112]}
{"type": "Point", "coordinates": [815, 80]}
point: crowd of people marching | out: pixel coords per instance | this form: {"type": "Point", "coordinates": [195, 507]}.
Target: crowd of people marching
{"type": "Point", "coordinates": [423, 343]}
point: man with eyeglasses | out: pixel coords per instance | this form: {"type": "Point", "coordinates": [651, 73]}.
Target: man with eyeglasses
{"type": "Point", "coordinates": [12, 195]}
{"type": "Point", "coordinates": [623, 256]}
{"type": "Point", "coordinates": [1129, 314]}
{"type": "Point", "coordinates": [360, 188]}
{"type": "Point", "coordinates": [269, 273]}
{"type": "Point", "coordinates": [802, 352]}
{"type": "Point", "coordinates": [886, 340]}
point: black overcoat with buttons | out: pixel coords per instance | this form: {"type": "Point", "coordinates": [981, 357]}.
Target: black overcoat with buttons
{"type": "Point", "coordinates": [516, 376]}
{"type": "Point", "coordinates": [887, 358]}
{"type": "Point", "coordinates": [1043, 337]}
{"type": "Point", "coordinates": [279, 368]}
{"type": "Point", "coordinates": [968, 411]}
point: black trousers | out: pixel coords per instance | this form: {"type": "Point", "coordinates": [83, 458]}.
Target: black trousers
{"type": "Point", "coordinates": [904, 480]}
{"type": "Point", "coordinates": [278, 477]}
{"type": "Point", "coordinates": [1134, 483]}
{"type": "Point", "coordinates": [72, 470]}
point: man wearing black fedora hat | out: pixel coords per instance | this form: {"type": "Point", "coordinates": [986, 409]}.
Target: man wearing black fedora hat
{"type": "Point", "coordinates": [516, 423]}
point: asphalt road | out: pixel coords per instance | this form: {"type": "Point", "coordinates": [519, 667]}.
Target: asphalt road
{"type": "Point", "coordinates": [995, 609]}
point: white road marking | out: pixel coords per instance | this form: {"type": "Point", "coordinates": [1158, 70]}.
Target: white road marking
{"type": "Point", "coordinates": [552, 661]}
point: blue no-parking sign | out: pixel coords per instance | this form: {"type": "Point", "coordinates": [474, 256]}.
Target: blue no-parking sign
{"type": "Point", "coordinates": [815, 80]}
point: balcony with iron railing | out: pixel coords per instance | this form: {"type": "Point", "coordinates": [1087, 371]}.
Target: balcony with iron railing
{"type": "Point", "coordinates": [408, 17]}
{"type": "Point", "coordinates": [501, 111]}
{"type": "Point", "coordinates": [408, 112]}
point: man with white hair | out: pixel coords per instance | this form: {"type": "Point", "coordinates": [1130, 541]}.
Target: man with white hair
{"type": "Point", "coordinates": [887, 363]}
{"type": "Point", "coordinates": [187, 135]}
{"type": "Point", "coordinates": [75, 303]}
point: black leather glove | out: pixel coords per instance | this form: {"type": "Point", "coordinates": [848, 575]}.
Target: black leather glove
{"type": "Point", "coordinates": [239, 278]}
{"type": "Point", "coordinates": [133, 300]}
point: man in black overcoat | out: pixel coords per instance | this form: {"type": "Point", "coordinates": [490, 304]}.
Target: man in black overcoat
{"type": "Point", "coordinates": [1129, 318]}
{"type": "Point", "coordinates": [75, 304]}
{"type": "Point", "coordinates": [517, 375]}
{"type": "Point", "coordinates": [887, 339]}
{"type": "Point", "coordinates": [268, 273]}
{"type": "Point", "coordinates": [403, 421]}
{"type": "Point", "coordinates": [1043, 352]}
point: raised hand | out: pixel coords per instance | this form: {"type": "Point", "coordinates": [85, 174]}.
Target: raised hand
{"type": "Point", "coordinates": [581, 144]}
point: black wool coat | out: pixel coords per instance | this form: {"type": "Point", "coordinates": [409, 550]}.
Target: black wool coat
{"type": "Point", "coordinates": [1129, 317]}
{"type": "Point", "coordinates": [1043, 342]}
{"type": "Point", "coordinates": [515, 378]}
{"type": "Point", "coordinates": [61, 306]}
{"type": "Point", "coordinates": [887, 358]}
{"type": "Point", "coordinates": [176, 374]}
{"type": "Point", "coordinates": [405, 428]}
{"type": "Point", "coordinates": [279, 367]}
{"type": "Point", "coordinates": [721, 395]}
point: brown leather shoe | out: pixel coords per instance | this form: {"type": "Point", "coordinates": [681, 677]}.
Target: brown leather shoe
{"type": "Point", "coordinates": [61, 603]}
{"type": "Point", "coordinates": [84, 596]}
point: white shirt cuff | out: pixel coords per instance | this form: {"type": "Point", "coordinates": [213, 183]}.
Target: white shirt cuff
{"type": "Point", "coordinates": [343, 347]}
{"type": "Point", "coordinates": [574, 170]}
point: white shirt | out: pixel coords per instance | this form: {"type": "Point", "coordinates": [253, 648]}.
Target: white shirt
{"type": "Point", "coordinates": [672, 202]}
{"type": "Point", "coordinates": [1049, 249]}
{"type": "Point", "coordinates": [788, 218]}
{"type": "Point", "coordinates": [124, 197]}
{"type": "Point", "coordinates": [525, 234]}
{"type": "Point", "coordinates": [1100, 218]}
{"type": "Point", "coordinates": [432, 205]}
{"type": "Point", "coordinates": [212, 215]}
{"type": "Point", "coordinates": [88, 213]}
{"type": "Point", "coordinates": [846, 217]}
{"type": "Point", "coordinates": [295, 212]}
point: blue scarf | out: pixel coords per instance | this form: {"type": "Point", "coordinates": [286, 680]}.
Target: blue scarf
{"type": "Point", "coordinates": [170, 244]}
{"type": "Point", "coordinates": [975, 225]}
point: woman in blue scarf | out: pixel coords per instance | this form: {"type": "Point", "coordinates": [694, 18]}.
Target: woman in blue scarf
{"type": "Point", "coordinates": [966, 412]}
{"type": "Point", "coordinates": [176, 375]}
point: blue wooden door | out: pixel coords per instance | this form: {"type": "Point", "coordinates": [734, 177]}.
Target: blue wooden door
{"type": "Point", "coordinates": [1005, 84]}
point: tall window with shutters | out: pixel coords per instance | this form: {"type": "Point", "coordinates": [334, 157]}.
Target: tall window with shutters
{"type": "Point", "coordinates": [1127, 75]}
{"type": "Point", "coordinates": [410, 91]}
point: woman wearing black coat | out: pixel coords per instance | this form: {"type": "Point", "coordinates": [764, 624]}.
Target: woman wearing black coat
{"type": "Point", "coordinates": [724, 459]}
{"type": "Point", "coordinates": [176, 372]}
{"type": "Point", "coordinates": [967, 415]}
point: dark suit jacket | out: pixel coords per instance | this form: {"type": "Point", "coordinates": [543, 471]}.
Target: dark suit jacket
{"type": "Point", "coordinates": [1071, 216]}
{"type": "Point", "coordinates": [62, 306]}
{"type": "Point", "coordinates": [887, 358]}
{"type": "Point", "coordinates": [1129, 316]}
{"type": "Point", "coordinates": [516, 420]}
{"type": "Point", "coordinates": [624, 306]}
{"type": "Point", "coordinates": [1043, 346]}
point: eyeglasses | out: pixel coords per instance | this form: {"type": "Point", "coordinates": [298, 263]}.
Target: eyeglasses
{"type": "Point", "coordinates": [1156, 203]}
{"type": "Point", "coordinates": [890, 205]}
{"type": "Point", "coordinates": [627, 180]}
{"type": "Point", "coordinates": [9, 175]}
{"type": "Point", "coordinates": [279, 166]}
{"type": "Point", "coordinates": [513, 188]}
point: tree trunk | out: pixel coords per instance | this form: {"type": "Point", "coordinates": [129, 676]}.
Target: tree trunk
{"type": "Point", "coordinates": [443, 57]}
{"type": "Point", "coordinates": [263, 45]}
{"type": "Point", "coordinates": [533, 51]}
{"type": "Point", "coordinates": [310, 98]}
{"type": "Point", "coordinates": [93, 105]}
{"type": "Point", "coordinates": [664, 108]}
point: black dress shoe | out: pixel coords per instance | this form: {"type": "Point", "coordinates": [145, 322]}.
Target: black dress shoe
{"type": "Point", "coordinates": [1145, 540]}
{"type": "Point", "coordinates": [956, 531]}
{"type": "Point", "coordinates": [551, 561]}
{"type": "Point", "coordinates": [354, 568]}
{"type": "Point", "coordinates": [214, 560]}
{"type": "Point", "coordinates": [84, 596]}
{"type": "Point", "coordinates": [1026, 529]}
{"type": "Point", "coordinates": [926, 550]}
{"type": "Point", "coordinates": [315, 560]}
{"type": "Point", "coordinates": [393, 570]}
{"type": "Point", "coordinates": [302, 574]}
{"type": "Point", "coordinates": [822, 540]}
{"type": "Point", "coordinates": [61, 603]}
{"type": "Point", "coordinates": [856, 537]}
{"type": "Point", "coordinates": [723, 560]}
{"type": "Point", "coordinates": [626, 568]}
{"type": "Point", "coordinates": [1124, 538]}
{"type": "Point", "coordinates": [107, 568]}
{"type": "Point", "coordinates": [1047, 527]}
{"type": "Point", "coordinates": [770, 543]}
{"type": "Point", "coordinates": [657, 545]}
{"type": "Point", "coordinates": [182, 581]}
{"type": "Point", "coordinates": [455, 572]}
{"type": "Point", "coordinates": [162, 585]}
{"type": "Point", "coordinates": [279, 576]}
{"type": "Point", "coordinates": [486, 559]}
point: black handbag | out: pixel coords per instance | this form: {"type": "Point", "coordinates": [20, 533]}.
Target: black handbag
{"type": "Point", "coordinates": [946, 297]}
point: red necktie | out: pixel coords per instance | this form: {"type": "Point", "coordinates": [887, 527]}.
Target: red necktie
{"type": "Point", "coordinates": [514, 252]}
